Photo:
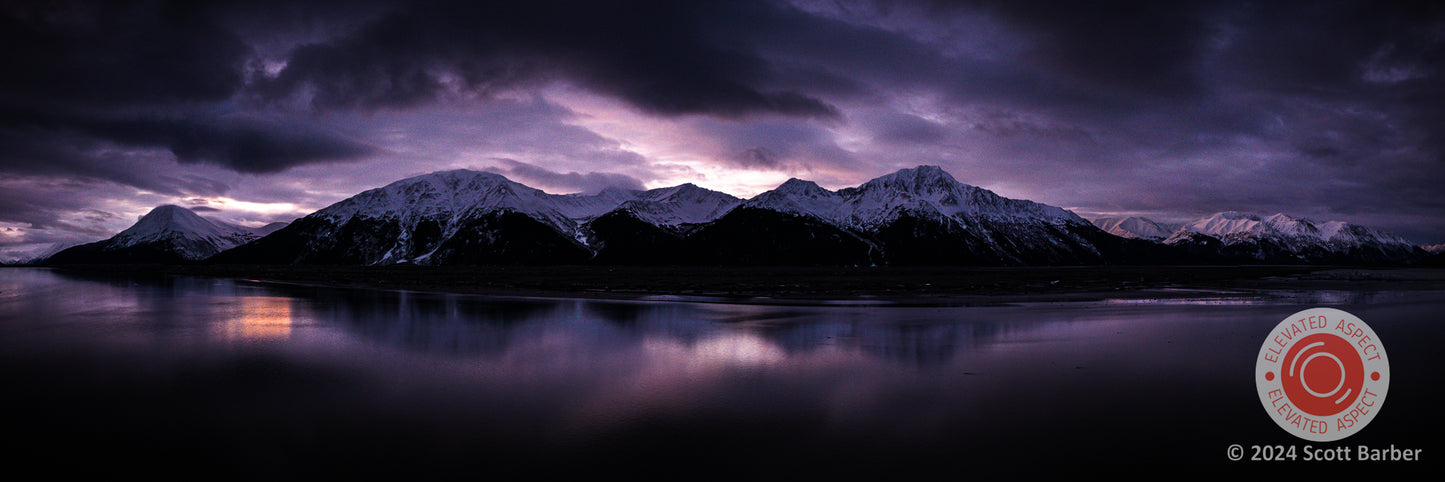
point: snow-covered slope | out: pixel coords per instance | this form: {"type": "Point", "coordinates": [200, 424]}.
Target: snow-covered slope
{"type": "Point", "coordinates": [664, 207]}
{"type": "Point", "coordinates": [676, 206]}
{"type": "Point", "coordinates": [165, 234]}
{"type": "Point", "coordinates": [1135, 227]}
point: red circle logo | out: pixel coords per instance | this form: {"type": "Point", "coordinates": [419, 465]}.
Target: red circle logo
{"type": "Point", "coordinates": [1322, 374]}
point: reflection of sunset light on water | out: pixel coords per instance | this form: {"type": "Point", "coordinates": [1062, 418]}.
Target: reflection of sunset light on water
{"type": "Point", "coordinates": [259, 318]}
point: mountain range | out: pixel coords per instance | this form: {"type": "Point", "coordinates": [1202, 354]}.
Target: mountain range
{"type": "Point", "coordinates": [1235, 237]}
{"type": "Point", "coordinates": [918, 216]}
{"type": "Point", "coordinates": [912, 216]}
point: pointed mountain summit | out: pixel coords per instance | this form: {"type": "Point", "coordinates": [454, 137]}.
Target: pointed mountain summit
{"type": "Point", "coordinates": [167, 234]}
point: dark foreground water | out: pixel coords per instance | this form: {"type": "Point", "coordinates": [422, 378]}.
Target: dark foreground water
{"type": "Point", "coordinates": [205, 379]}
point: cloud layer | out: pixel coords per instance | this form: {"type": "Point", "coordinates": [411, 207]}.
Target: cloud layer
{"type": "Point", "coordinates": [263, 111]}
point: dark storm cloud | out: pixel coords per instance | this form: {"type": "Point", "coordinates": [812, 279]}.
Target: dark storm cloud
{"type": "Point", "coordinates": [133, 74]}
{"type": "Point", "coordinates": [116, 53]}
{"type": "Point", "coordinates": [554, 182]}
{"type": "Point", "coordinates": [1311, 108]}
{"type": "Point", "coordinates": [84, 160]}
{"type": "Point", "coordinates": [244, 145]}
{"type": "Point", "coordinates": [1325, 48]}
{"type": "Point", "coordinates": [80, 144]}
{"type": "Point", "coordinates": [664, 57]}
{"type": "Point", "coordinates": [1139, 47]}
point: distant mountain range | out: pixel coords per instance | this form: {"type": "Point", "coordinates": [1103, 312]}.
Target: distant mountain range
{"type": "Point", "coordinates": [919, 216]}
{"type": "Point", "coordinates": [1234, 237]}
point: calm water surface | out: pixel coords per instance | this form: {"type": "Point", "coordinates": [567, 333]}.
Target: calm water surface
{"type": "Point", "coordinates": [191, 377]}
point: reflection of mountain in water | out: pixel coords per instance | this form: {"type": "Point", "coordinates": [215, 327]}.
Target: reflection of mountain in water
{"type": "Point", "coordinates": [491, 327]}
{"type": "Point", "coordinates": [476, 325]}
{"type": "Point", "coordinates": [910, 344]}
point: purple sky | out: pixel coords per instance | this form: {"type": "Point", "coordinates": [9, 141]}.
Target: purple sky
{"type": "Point", "coordinates": [261, 111]}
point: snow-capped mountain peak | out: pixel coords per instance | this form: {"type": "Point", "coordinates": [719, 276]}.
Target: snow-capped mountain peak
{"type": "Point", "coordinates": [800, 197]}
{"type": "Point", "coordinates": [924, 191]}
{"type": "Point", "coordinates": [930, 189]}
{"type": "Point", "coordinates": [165, 234]}
{"type": "Point", "coordinates": [794, 184]}
{"type": "Point", "coordinates": [1135, 227]}
{"type": "Point", "coordinates": [169, 221]}
{"type": "Point", "coordinates": [919, 180]}
{"type": "Point", "coordinates": [679, 205]}
{"type": "Point", "coordinates": [1226, 223]}
{"type": "Point", "coordinates": [447, 196]}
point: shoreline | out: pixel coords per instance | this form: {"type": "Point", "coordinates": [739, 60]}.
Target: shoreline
{"type": "Point", "coordinates": [889, 286]}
